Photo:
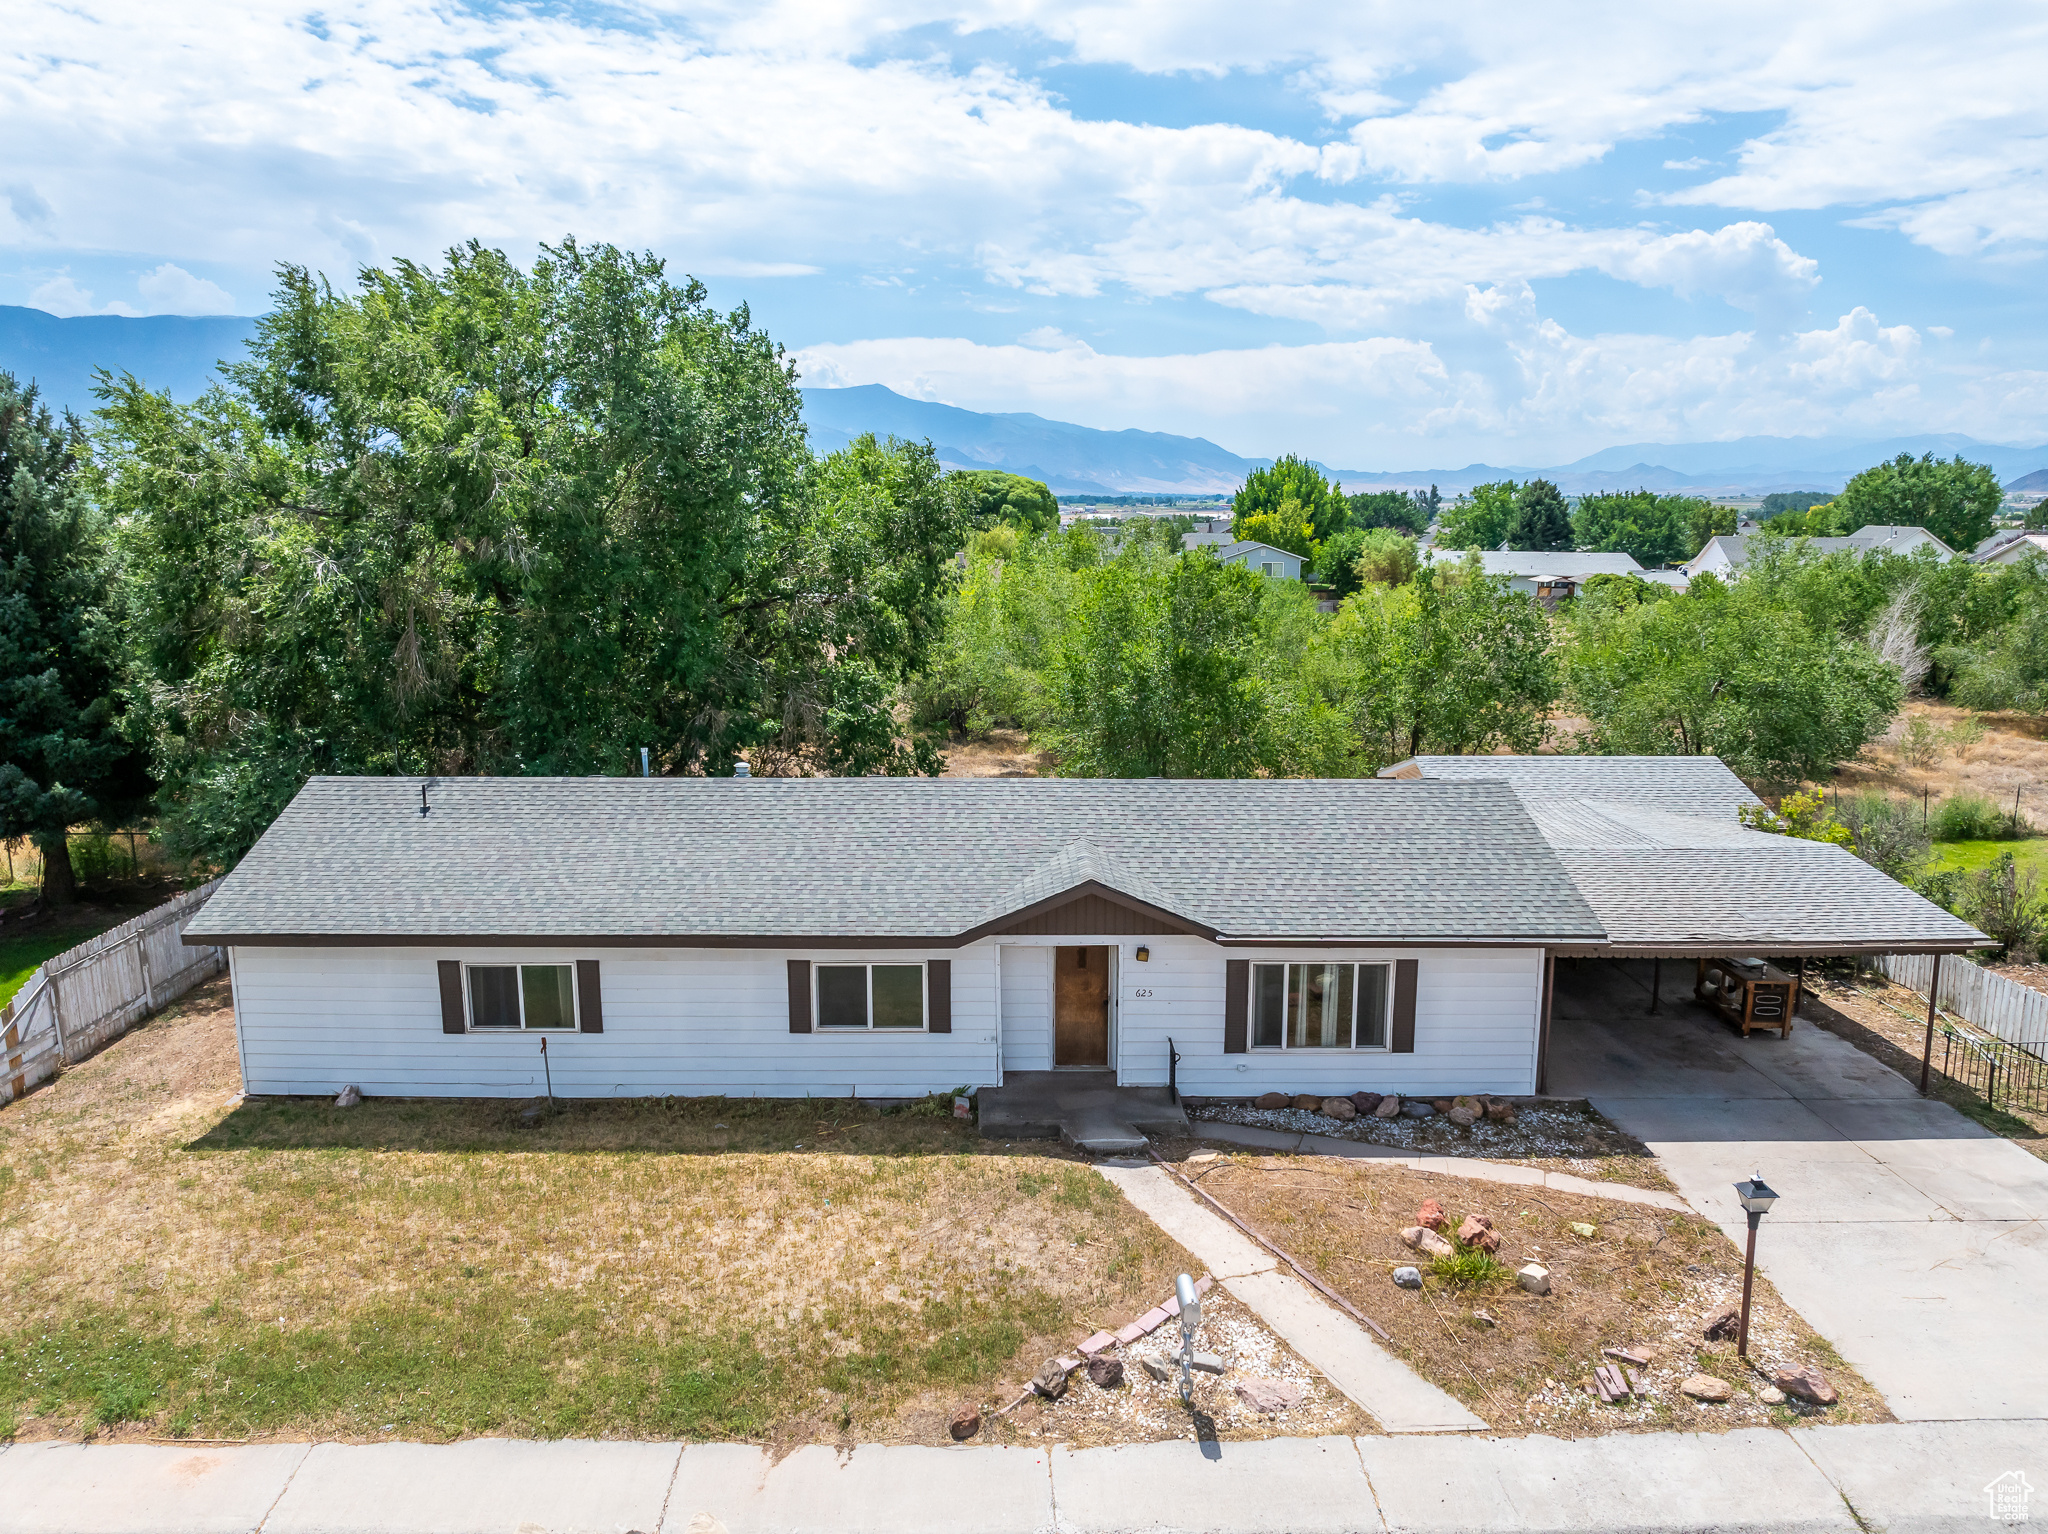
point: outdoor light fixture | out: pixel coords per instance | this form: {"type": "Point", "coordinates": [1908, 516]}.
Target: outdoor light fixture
{"type": "Point", "coordinates": [1757, 1196]}
{"type": "Point", "coordinates": [1144, 953]}
{"type": "Point", "coordinates": [1190, 1318]}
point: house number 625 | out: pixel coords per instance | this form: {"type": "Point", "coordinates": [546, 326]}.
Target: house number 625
{"type": "Point", "coordinates": [1141, 995]}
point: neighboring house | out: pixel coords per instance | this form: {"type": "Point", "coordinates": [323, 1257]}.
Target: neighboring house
{"type": "Point", "coordinates": [2008, 545]}
{"type": "Point", "coordinates": [1550, 578]}
{"type": "Point", "coordinates": [1260, 558]}
{"type": "Point", "coordinates": [1726, 555]}
{"type": "Point", "coordinates": [885, 937]}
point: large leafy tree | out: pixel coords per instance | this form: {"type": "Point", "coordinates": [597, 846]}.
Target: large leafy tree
{"type": "Point", "coordinates": [2007, 667]}
{"type": "Point", "coordinates": [990, 496]}
{"type": "Point", "coordinates": [1652, 529]}
{"type": "Point", "coordinates": [1956, 501]}
{"type": "Point", "coordinates": [1541, 520]}
{"type": "Point", "coordinates": [1398, 509]}
{"type": "Point", "coordinates": [1728, 672]}
{"type": "Point", "coordinates": [1479, 518]}
{"type": "Point", "coordinates": [63, 757]}
{"type": "Point", "coordinates": [479, 519]}
{"type": "Point", "coordinates": [1316, 501]}
{"type": "Point", "coordinates": [1452, 662]}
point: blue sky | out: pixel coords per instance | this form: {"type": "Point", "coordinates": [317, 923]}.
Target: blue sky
{"type": "Point", "coordinates": [1388, 236]}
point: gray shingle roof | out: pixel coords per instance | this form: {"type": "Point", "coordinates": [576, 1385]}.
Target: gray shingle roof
{"type": "Point", "coordinates": [1683, 785]}
{"type": "Point", "coordinates": [676, 859]}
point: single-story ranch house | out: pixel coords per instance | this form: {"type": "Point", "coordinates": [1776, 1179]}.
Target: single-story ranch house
{"type": "Point", "coordinates": [888, 937]}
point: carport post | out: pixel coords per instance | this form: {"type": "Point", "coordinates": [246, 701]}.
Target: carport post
{"type": "Point", "coordinates": [1656, 982]}
{"type": "Point", "coordinates": [1543, 1025]}
{"type": "Point", "coordinates": [1927, 1052]}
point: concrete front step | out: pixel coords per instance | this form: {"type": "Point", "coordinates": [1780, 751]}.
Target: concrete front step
{"type": "Point", "coordinates": [1086, 1109]}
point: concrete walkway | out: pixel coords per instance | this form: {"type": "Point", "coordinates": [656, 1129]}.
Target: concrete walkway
{"type": "Point", "coordinates": [1400, 1400]}
{"type": "Point", "coordinates": [1911, 1238]}
{"type": "Point", "coordinates": [1288, 1144]}
{"type": "Point", "coordinates": [1907, 1478]}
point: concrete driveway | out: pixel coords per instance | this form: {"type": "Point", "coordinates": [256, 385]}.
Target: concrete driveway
{"type": "Point", "coordinates": [1910, 1237]}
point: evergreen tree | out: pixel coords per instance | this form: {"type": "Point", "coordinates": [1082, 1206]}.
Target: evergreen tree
{"type": "Point", "coordinates": [1541, 519]}
{"type": "Point", "coordinates": [62, 757]}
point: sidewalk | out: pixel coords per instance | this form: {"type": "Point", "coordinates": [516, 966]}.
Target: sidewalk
{"type": "Point", "coordinates": [1904, 1478]}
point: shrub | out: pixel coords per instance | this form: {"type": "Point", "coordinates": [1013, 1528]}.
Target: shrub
{"type": "Point", "coordinates": [1968, 818]}
{"type": "Point", "coordinates": [1888, 834]}
{"type": "Point", "coordinates": [1920, 742]}
{"type": "Point", "coordinates": [1944, 888]}
{"type": "Point", "coordinates": [1469, 1267]}
{"type": "Point", "coordinates": [1965, 733]}
{"type": "Point", "coordinates": [2006, 904]}
{"type": "Point", "coordinates": [1804, 815]}
{"type": "Point", "coordinates": [96, 860]}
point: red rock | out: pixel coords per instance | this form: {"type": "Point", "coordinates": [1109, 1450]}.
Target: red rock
{"type": "Point", "coordinates": [1442, 1104]}
{"type": "Point", "coordinates": [1807, 1384]}
{"type": "Point", "coordinates": [1272, 1100]}
{"type": "Point", "coordinates": [1432, 1214]}
{"type": "Point", "coordinates": [1269, 1396]}
{"type": "Point", "coordinates": [1478, 1231]}
{"type": "Point", "coordinates": [1308, 1102]}
{"type": "Point", "coordinates": [1500, 1112]}
{"type": "Point", "coordinates": [965, 1424]}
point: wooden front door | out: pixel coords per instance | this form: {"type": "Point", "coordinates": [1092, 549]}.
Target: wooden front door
{"type": "Point", "coordinates": [1080, 1006]}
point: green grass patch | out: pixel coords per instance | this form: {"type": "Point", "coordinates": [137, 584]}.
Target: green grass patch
{"type": "Point", "coordinates": [1469, 1267]}
{"type": "Point", "coordinates": [2028, 852]}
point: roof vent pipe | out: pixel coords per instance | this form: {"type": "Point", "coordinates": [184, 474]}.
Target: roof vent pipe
{"type": "Point", "coordinates": [739, 770]}
{"type": "Point", "coordinates": [643, 762]}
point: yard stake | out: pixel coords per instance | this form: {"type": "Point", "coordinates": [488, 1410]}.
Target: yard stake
{"type": "Point", "coordinates": [1927, 1050]}
{"type": "Point", "coordinates": [550, 1071]}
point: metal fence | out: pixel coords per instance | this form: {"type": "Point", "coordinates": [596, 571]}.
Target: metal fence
{"type": "Point", "coordinates": [1994, 1039]}
{"type": "Point", "coordinates": [88, 996]}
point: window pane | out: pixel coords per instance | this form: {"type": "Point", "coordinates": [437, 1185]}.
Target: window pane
{"type": "Point", "coordinates": [1318, 1017]}
{"type": "Point", "coordinates": [1269, 1004]}
{"type": "Point", "coordinates": [550, 1003]}
{"type": "Point", "coordinates": [842, 996]}
{"type": "Point", "coordinates": [1372, 1005]}
{"type": "Point", "coordinates": [1341, 1022]}
{"type": "Point", "coordinates": [493, 996]}
{"type": "Point", "coordinates": [899, 995]}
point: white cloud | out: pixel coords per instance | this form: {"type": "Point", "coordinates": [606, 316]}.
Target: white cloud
{"type": "Point", "coordinates": [173, 290]}
{"type": "Point", "coordinates": [63, 297]}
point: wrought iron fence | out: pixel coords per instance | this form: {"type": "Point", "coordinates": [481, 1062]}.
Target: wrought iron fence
{"type": "Point", "coordinates": [2004, 1074]}
{"type": "Point", "coordinates": [1991, 1033]}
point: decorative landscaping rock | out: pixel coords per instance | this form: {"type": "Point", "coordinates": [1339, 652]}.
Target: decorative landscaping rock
{"type": "Point", "coordinates": [1464, 1118]}
{"type": "Point", "coordinates": [1441, 1104]}
{"type": "Point", "coordinates": [1433, 1245]}
{"type": "Point", "coordinates": [1581, 1229]}
{"type": "Point", "coordinates": [1724, 1325]}
{"type": "Point", "coordinates": [1535, 1278]}
{"type": "Point", "coordinates": [965, 1424]}
{"type": "Point", "coordinates": [1500, 1112]}
{"type": "Point", "coordinates": [1704, 1387]}
{"type": "Point", "coordinates": [1051, 1381]}
{"type": "Point", "coordinates": [1418, 1110]}
{"type": "Point", "coordinates": [1340, 1108]}
{"type": "Point", "coordinates": [1365, 1102]}
{"type": "Point", "coordinates": [1308, 1102]}
{"type": "Point", "coordinates": [1408, 1278]}
{"type": "Point", "coordinates": [1478, 1231]}
{"type": "Point", "coordinates": [1431, 1213]}
{"type": "Point", "coordinates": [1269, 1396]}
{"type": "Point", "coordinates": [1389, 1107]}
{"type": "Point", "coordinates": [1272, 1100]}
{"type": "Point", "coordinates": [349, 1097]}
{"type": "Point", "coordinates": [1771, 1395]}
{"type": "Point", "coordinates": [1157, 1367]}
{"type": "Point", "coordinates": [1473, 1104]}
{"type": "Point", "coordinates": [1205, 1363]}
{"type": "Point", "coordinates": [1485, 1318]}
{"type": "Point", "coordinates": [1106, 1372]}
{"type": "Point", "coordinates": [1807, 1384]}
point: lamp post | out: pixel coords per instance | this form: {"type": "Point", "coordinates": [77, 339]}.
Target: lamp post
{"type": "Point", "coordinates": [1757, 1198]}
{"type": "Point", "coordinates": [1190, 1318]}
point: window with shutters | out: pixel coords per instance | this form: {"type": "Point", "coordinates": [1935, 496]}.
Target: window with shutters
{"type": "Point", "coordinates": [521, 995]}
{"type": "Point", "coordinates": [1319, 1006]}
{"type": "Point", "coordinates": [872, 996]}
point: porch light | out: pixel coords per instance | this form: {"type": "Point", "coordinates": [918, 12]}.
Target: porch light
{"type": "Point", "coordinates": [1757, 1196]}
{"type": "Point", "coordinates": [1144, 953]}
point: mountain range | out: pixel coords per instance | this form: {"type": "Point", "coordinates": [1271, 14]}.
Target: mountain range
{"type": "Point", "coordinates": [180, 354]}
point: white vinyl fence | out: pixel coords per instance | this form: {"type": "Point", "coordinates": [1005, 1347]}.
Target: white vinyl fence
{"type": "Point", "coordinates": [90, 995]}
{"type": "Point", "coordinates": [2013, 1012]}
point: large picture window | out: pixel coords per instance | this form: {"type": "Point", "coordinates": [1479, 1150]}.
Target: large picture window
{"type": "Point", "coordinates": [522, 995]}
{"type": "Point", "coordinates": [871, 996]}
{"type": "Point", "coordinates": [1319, 1006]}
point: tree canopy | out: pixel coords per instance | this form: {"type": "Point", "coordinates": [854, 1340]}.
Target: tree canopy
{"type": "Point", "coordinates": [1478, 519]}
{"type": "Point", "coordinates": [1956, 501]}
{"type": "Point", "coordinates": [990, 496]}
{"type": "Point", "coordinates": [64, 759]}
{"type": "Point", "coordinates": [483, 520]}
{"type": "Point", "coordinates": [1406, 511]}
{"type": "Point", "coordinates": [1541, 520]}
{"type": "Point", "coordinates": [1654, 530]}
{"type": "Point", "coordinates": [1317, 502]}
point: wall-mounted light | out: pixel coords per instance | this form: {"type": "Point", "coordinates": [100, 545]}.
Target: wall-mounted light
{"type": "Point", "coordinates": [1144, 953]}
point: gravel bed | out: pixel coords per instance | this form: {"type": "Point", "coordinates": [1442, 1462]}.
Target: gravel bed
{"type": "Point", "coordinates": [1550, 1132]}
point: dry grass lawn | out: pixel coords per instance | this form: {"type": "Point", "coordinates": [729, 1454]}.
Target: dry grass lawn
{"type": "Point", "coordinates": [998, 754]}
{"type": "Point", "coordinates": [1647, 1279]}
{"type": "Point", "coordinates": [2012, 755]}
{"type": "Point", "coordinates": [175, 1261]}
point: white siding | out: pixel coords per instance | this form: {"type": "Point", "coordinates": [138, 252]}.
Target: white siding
{"type": "Point", "coordinates": [1475, 1024]}
{"type": "Point", "coordinates": [1027, 1008]}
{"type": "Point", "coordinates": [687, 1022]}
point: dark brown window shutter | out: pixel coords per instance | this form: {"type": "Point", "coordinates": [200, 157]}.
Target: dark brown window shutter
{"type": "Point", "coordinates": [452, 1018]}
{"type": "Point", "coordinates": [1237, 1004]}
{"type": "Point", "coordinates": [589, 997]}
{"type": "Point", "coordinates": [1403, 1040]}
{"type": "Point", "coordinates": [799, 995]}
{"type": "Point", "coordinates": [938, 985]}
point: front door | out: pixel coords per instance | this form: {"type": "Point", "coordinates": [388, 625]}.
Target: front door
{"type": "Point", "coordinates": [1080, 1006]}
